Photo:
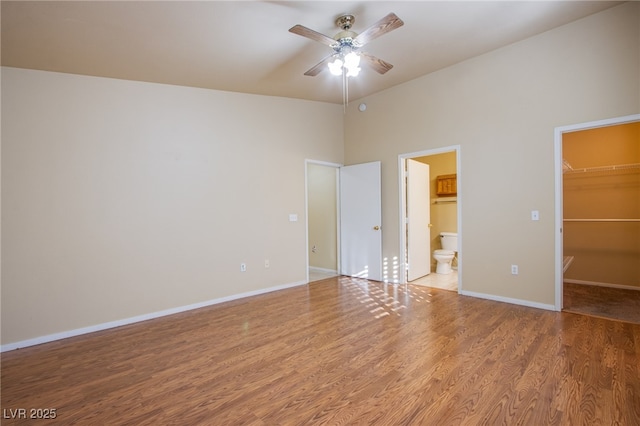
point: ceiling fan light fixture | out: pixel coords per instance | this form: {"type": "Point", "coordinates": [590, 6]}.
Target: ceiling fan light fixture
{"type": "Point", "coordinates": [353, 71]}
{"type": "Point", "coordinates": [335, 67]}
{"type": "Point", "coordinates": [349, 63]}
{"type": "Point", "coordinates": [352, 60]}
{"type": "Point", "coordinates": [345, 60]}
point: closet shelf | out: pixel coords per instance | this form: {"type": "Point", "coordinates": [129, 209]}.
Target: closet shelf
{"type": "Point", "coordinates": [601, 220]}
{"type": "Point", "coordinates": [568, 170]}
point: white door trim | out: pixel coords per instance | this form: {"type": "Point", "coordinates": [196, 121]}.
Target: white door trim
{"type": "Point", "coordinates": [559, 131]}
{"type": "Point", "coordinates": [402, 277]}
{"type": "Point", "coordinates": [306, 210]}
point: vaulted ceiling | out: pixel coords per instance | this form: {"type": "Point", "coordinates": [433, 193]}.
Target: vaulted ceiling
{"type": "Point", "coordinates": [245, 46]}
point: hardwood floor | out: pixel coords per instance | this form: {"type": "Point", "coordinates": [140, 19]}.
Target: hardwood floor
{"type": "Point", "coordinates": [338, 351]}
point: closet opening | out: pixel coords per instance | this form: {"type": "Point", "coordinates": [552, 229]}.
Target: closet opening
{"type": "Point", "coordinates": [598, 219]}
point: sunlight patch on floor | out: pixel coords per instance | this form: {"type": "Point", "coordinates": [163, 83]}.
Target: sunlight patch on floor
{"type": "Point", "coordinates": [384, 299]}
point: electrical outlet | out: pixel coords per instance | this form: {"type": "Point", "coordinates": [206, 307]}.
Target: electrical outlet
{"type": "Point", "coordinates": [243, 267]}
{"type": "Point", "coordinates": [514, 269]}
{"type": "Point", "coordinates": [266, 263]}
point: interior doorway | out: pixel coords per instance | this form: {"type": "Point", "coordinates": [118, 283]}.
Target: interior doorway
{"type": "Point", "coordinates": [598, 216]}
{"type": "Point", "coordinates": [445, 216]}
{"type": "Point", "coordinates": [323, 246]}
{"type": "Point", "coordinates": [343, 220]}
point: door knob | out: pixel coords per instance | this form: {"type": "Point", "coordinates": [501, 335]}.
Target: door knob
{"type": "Point", "coordinates": [430, 225]}
{"type": "Point", "coordinates": [376, 228]}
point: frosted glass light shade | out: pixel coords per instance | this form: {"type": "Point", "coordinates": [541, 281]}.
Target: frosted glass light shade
{"type": "Point", "coordinates": [353, 72]}
{"type": "Point", "coordinates": [352, 60]}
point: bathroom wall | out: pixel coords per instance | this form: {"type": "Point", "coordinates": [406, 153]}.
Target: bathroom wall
{"type": "Point", "coordinates": [444, 216]}
{"type": "Point", "coordinates": [604, 252]}
{"type": "Point", "coordinates": [322, 216]}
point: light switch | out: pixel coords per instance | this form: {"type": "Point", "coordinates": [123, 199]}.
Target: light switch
{"type": "Point", "coordinates": [535, 215]}
{"type": "Point", "coordinates": [293, 217]}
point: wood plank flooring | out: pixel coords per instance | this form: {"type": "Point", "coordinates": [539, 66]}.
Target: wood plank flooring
{"type": "Point", "coordinates": [338, 351]}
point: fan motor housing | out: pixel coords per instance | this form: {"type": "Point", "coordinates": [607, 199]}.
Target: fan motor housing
{"type": "Point", "coordinates": [345, 21]}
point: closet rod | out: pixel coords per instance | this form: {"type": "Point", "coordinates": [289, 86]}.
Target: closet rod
{"type": "Point", "coordinates": [567, 169]}
{"type": "Point", "coordinates": [601, 220]}
{"type": "Point", "coordinates": [445, 200]}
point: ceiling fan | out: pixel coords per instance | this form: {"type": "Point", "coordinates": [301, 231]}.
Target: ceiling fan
{"type": "Point", "coordinates": [346, 45]}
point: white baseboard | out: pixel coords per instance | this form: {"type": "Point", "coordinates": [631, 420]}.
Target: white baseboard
{"type": "Point", "coordinates": [322, 270]}
{"type": "Point", "coordinates": [509, 300]}
{"type": "Point", "coordinates": [139, 318]}
{"type": "Point", "coordinates": [599, 284]}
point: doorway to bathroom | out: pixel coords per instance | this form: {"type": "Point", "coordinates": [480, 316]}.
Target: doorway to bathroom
{"type": "Point", "coordinates": [598, 218]}
{"type": "Point", "coordinates": [426, 213]}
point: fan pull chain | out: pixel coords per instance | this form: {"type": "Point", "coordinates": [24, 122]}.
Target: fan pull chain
{"type": "Point", "coordinates": [345, 91]}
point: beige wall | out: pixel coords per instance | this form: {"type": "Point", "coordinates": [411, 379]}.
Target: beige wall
{"type": "Point", "coordinates": [123, 198]}
{"type": "Point", "coordinates": [502, 109]}
{"type": "Point", "coordinates": [322, 216]}
{"type": "Point", "coordinates": [603, 252]}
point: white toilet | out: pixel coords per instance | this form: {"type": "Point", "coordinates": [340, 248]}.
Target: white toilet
{"type": "Point", "coordinates": [444, 256]}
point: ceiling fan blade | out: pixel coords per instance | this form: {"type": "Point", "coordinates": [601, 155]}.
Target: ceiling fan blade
{"type": "Point", "coordinates": [313, 35]}
{"type": "Point", "coordinates": [377, 64]}
{"type": "Point", "coordinates": [320, 66]}
{"type": "Point", "coordinates": [383, 26]}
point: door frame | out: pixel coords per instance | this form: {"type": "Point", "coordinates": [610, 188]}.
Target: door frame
{"type": "Point", "coordinates": [559, 194]}
{"type": "Point", "coordinates": [337, 167]}
{"type": "Point", "coordinates": [402, 276]}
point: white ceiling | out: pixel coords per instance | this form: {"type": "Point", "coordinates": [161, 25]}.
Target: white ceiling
{"type": "Point", "coordinates": [245, 46]}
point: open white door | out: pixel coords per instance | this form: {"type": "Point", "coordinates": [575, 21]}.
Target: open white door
{"type": "Point", "coordinates": [418, 220]}
{"type": "Point", "coordinates": [360, 221]}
